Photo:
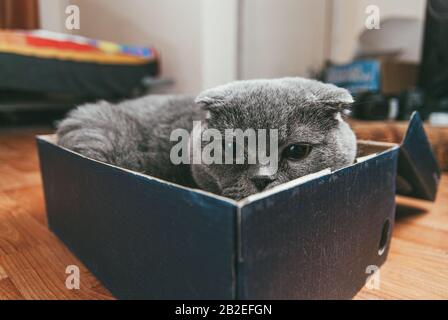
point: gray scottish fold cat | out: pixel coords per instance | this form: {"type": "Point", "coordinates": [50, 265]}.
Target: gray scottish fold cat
{"type": "Point", "coordinates": [135, 134]}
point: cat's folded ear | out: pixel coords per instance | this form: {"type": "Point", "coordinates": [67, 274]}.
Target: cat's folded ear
{"type": "Point", "coordinates": [336, 110]}
{"type": "Point", "coordinates": [314, 90]}
{"type": "Point", "coordinates": [337, 107]}
{"type": "Point", "coordinates": [211, 99]}
{"type": "Point", "coordinates": [335, 100]}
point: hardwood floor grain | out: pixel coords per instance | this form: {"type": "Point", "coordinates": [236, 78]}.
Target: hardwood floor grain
{"type": "Point", "coordinates": [33, 261]}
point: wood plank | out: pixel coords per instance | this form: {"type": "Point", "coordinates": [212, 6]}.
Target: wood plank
{"type": "Point", "coordinates": [32, 260]}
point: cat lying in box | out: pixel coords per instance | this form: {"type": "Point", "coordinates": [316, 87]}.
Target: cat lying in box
{"type": "Point", "coordinates": [307, 116]}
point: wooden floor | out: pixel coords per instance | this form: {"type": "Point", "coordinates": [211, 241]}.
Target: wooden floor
{"type": "Point", "coordinates": [33, 261]}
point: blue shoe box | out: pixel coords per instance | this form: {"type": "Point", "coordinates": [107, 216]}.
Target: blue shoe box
{"type": "Point", "coordinates": [317, 237]}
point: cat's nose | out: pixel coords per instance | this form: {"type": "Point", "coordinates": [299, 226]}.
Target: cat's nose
{"type": "Point", "coordinates": [261, 182]}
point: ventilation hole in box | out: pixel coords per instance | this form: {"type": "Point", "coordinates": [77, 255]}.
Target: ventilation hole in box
{"type": "Point", "coordinates": [384, 237]}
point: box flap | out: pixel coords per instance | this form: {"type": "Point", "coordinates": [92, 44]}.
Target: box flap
{"type": "Point", "coordinates": [418, 173]}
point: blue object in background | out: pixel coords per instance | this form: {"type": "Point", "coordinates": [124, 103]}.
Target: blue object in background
{"type": "Point", "coordinates": [358, 76]}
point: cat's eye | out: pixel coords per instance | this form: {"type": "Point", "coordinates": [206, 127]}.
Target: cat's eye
{"type": "Point", "coordinates": [297, 151]}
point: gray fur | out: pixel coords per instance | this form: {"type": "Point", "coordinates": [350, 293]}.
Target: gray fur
{"type": "Point", "coordinates": [135, 134]}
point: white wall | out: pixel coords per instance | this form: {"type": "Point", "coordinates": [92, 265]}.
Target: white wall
{"type": "Point", "coordinates": [282, 37]}
{"type": "Point", "coordinates": [51, 14]}
{"type": "Point", "coordinates": [172, 26]}
{"type": "Point", "coordinates": [349, 18]}
{"type": "Point", "coordinates": [209, 42]}
{"type": "Point", "coordinates": [197, 39]}
{"type": "Point", "coordinates": [219, 42]}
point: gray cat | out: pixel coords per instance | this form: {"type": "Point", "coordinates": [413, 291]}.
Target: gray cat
{"type": "Point", "coordinates": [135, 134]}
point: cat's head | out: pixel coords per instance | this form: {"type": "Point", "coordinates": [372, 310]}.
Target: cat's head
{"type": "Point", "coordinates": [308, 117]}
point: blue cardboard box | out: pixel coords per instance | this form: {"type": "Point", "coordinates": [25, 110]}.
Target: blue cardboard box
{"type": "Point", "coordinates": [316, 237]}
{"type": "Point", "coordinates": [358, 76]}
{"type": "Point", "coordinates": [381, 74]}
